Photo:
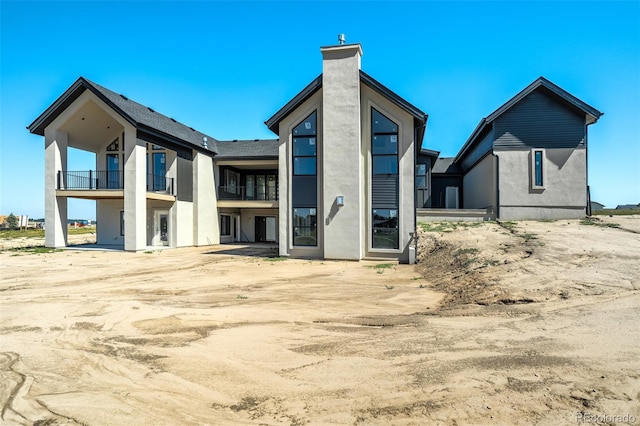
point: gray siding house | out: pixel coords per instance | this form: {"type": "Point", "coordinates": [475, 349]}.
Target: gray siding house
{"type": "Point", "coordinates": [528, 159]}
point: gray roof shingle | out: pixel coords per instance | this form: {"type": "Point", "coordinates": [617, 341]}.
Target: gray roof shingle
{"type": "Point", "coordinates": [142, 117]}
{"type": "Point", "coordinates": [248, 149]}
{"type": "Point", "coordinates": [446, 165]}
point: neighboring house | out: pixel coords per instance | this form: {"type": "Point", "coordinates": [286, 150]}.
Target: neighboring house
{"type": "Point", "coordinates": [528, 159]}
{"type": "Point", "coordinates": [343, 179]}
{"type": "Point", "coordinates": [628, 207]}
{"type": "Point", "coordinates": [595, 206]}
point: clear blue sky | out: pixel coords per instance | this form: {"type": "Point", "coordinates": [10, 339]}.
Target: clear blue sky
{"type": "Point", "coordinates": [225, 67]}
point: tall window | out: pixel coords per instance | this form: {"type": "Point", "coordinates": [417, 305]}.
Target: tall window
{"type": "Point", "coordinates": [225, 225]}
{"type": "Point", "coordinates": [384, 169]}
{"type": "Point", "coordinates": [304, 198]}
{"type": "Point", "coordinates": [538, 168]}
{"type": "Point", "coordinates": [422, 191]}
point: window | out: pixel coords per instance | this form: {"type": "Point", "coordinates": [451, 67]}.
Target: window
{"type": "Point", "coordinates": [304, 153]}
{"type": "Point", "coordinates": [421, 176]}
{"type": "Point", "coordinates": [422, 190]}
{"type": "Point", "coordinates": [384, 144]}
{"type": "Point", "coordinates": [385, 228]}
{"type": "Point", "coordinates": [304, 227]}
{"type": "Point", "coordinates": [384, 171]}
{"type": "Point", "coordinates": [537, 171]}
{"type": "Point", "coordinates": [225, 225]}
{"type": "Point", "coordinates": [304, 146]}
{"type": "Point", "coordinates": [113, 146]}
{"type": "Point", "coordinates": [122, 223]}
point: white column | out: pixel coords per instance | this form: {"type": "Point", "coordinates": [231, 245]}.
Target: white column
{"type": "Point", "coordinates": [55, 210]}
{"type": "Point", "coordinates": [206, 229]}
{"type": "Point", "coordinates": [135, 192]}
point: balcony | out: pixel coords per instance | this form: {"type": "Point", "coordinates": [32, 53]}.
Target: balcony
{"type": "Point", "coordinates": [108, 182]}
{"type": "Point", "coordinates": [253, 196]}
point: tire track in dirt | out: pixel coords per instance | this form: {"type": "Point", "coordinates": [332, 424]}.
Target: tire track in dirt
{"type": "Point", "coordinates": [17, 406]}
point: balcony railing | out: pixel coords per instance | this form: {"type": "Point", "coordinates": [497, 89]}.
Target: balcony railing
{"type": "Point", "coordinates": [88, 180]}
{"type": "Point", "coordinates": [248, 193]}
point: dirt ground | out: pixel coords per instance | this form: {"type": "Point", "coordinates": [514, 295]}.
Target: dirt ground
{"type": "Point", "coordinates": [512, 323]}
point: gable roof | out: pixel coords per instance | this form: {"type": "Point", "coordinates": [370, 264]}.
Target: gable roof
{"type": "Point", "coordinates": [446, 165]}
{"type": "Point", "coordinates": [258, 149]}
{"type": "Point", "coordinates": [315, 85]}
{"type": "Point", "coordinates": [592, 115]}
{"type": "Point", "coordinates": [144, 119]}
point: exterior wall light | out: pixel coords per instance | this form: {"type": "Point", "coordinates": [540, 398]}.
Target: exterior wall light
{"type": "Point", "coordinates": [340, 200]}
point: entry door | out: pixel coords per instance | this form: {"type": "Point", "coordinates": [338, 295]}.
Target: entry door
{"type": "Point", "coordinates": [161, 228]}
{"type": "Point", "coordinates": [261, 229]}
{"type": "Point", "coordinates": [451, 197]}
{"type": "Point", "coordinates": [113, 171]}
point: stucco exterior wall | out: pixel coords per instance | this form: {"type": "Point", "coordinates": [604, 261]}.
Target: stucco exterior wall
{"type": "Point", "coordinates": [206, 229]}
{"type": "Point", "coordinates": [108, 222]}
{"type": "Point", "coordinates": [406, 173]}
{"type": "Point", "coordinates": [480, 185]}
{"type": "Point", "coordinates": [285, 172]}
{"type": "Point", "coordinates": [248, 222]}
{"type": "Point", "coordinates": [342, 168]}
{"type": "Point", "coordinates": [182, 218]}
{"type": "Point", "coordinates": [565, 185]}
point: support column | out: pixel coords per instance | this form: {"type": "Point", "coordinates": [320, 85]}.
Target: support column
{"type": "Point", "coordinates": [135, 192]}
{"type": "Point", "coordinates": [206, 228]}
{"type": "Point", "coordinates": [55, 208]}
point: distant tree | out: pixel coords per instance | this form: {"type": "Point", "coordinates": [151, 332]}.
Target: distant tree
{"type": "Point", "coordinates": [12, 221]}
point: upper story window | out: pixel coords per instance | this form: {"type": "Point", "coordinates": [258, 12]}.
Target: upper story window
{"type": "Point", "coordinates": [421, 175]}
{"type": "Point", "coordinates": [305, 146]}
{"type": "Point", "coordinates": [114, 146]}
{"type": "Point", "coordinates": [384, 144]}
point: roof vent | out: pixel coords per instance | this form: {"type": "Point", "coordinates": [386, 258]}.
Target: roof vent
{"type": "Point", "coordinates": [150, 109]}
{"type": "Point", "coordinates": [173, 119]}
{"type": "Point", "coordinates": [256, 140]}
{"type": "Point", "coordinates": [204, 142]}
{"type": "Point", "coordinates": [341, 38]}
{"type": "Point", "coordinates": [192, 129]}
{"type": "Point", "coordinates": [124, 97]}
{"type": "Point", "coordinates": [235, 140]}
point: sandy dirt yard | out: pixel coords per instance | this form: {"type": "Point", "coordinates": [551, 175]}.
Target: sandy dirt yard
{"type": "Point", "coordinates": [513, 323]}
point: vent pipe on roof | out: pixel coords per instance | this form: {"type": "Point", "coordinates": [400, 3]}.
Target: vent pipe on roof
{"type": "Point", "coordinates": [204, 142]}
{"type": "Point", "coordinates": [341, 38]}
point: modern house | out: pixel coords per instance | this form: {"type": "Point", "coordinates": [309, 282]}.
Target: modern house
{"type": "Point", "coordinates": [342, 180]}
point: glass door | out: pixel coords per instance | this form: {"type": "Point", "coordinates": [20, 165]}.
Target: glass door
{"type": "Point", "coordinates": [113, 172]}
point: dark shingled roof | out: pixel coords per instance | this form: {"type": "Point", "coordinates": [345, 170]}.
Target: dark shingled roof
{"type": "Point", "coordinates": [446, 165]}
{"type": "Point", "coordinates": [258, 149]}
{"type": "Point", "coordinates": [143, 118]}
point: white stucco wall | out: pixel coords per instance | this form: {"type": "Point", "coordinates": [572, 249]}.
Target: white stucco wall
{"type": "Point", "coordinates": [206, 229]}
{"type": "Point", "coordinates": [108, 218]}
{"type": "Point", "coordinates": [480, 185]}
{"type": "Point", "coordinates": [248, 222]}
{"type": "Point", "coordinates": [565, 185]}
{"type": "Point", "coordinates": [182, 223]}
{"type": "Point", "coordinates": [342, 165]}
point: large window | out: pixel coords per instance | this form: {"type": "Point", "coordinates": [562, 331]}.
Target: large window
{"type": "Point", "coordinates": [305, 227]}
{"type": "Point", "coordinates": [384, 182]}
{"type": "Point", "coordinates": [385, 228]}
{"type": "Point", "coordinates": [422, 190]}
{"type": "Point", "coordinates": [304, 147]}
{"type": "Point", "coordinates": [304, 182]}
{"type": "Point", "coordinates": [384, 144]}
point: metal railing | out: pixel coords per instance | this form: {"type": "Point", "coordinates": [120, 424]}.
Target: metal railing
{"type": "Point", "coordinates": [109, 180]}
{"type": "Point", "coordinates": [248, 193]}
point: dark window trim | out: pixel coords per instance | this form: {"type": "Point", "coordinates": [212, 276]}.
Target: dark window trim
{"type": "Point", "coordinates": [374, 134]}
{"type": "Point", "coordinates": [310, 134]}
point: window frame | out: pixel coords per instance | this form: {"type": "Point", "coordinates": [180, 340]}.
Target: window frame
{"type": "Point", "coordinates": [374, 228]}
{"type": "Point", "coordinates": [312, 134]}
{"type": "Point", "coordinates": [299, 132]}
{"type": "Point", "coordinates": [385, 154]}
{"type": "Point", "coordinates": [534, 168]}
{"type": "Point", "coordinates": [313, 227]}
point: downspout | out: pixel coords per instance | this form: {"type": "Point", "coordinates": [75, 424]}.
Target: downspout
{"type": "Point", "coordinates": [497, 186]}
{"type": "Point", "coordinates": [586, 167]}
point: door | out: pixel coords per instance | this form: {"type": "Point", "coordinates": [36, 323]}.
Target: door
{"type": "Point", "coordinates": [161, 228]}
{"type": "Point", "coordinates": [451, 197]}
{"type": "Point", "coordinates": [261, 229]}
{"type": "Point", "coordinates": [265, 229]}
{"type": "Point", "coordinates": [159, 171]}
{"type": "Point", "coordinates": [113, 172]}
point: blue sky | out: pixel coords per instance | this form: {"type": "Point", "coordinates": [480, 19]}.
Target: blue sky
{"type": "Point", "coordinates": [225, 67]}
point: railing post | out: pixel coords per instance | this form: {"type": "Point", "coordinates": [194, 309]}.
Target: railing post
{"type": "Point", "coordinates": [59, 178]}
{"type": "Point", "coordinates": [90, 179]}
